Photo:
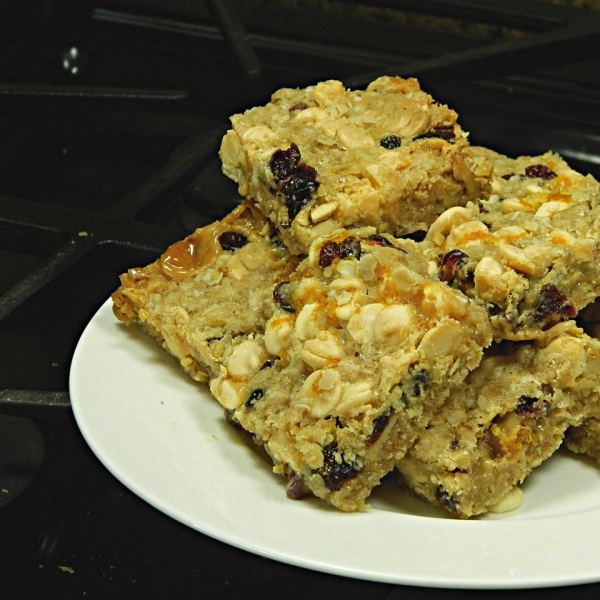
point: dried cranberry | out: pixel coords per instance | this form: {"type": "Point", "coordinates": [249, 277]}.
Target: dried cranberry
{"type": "Point", "coordinates": [553, 302]}
{"type": "Point", "coordinates": [390, 142]}
{"type": "Point", "coordinates": [268, 364]}
{"type": "Point", "coordinates": [295, 181]}
{"type": "Point", "coordinates": [280, 299]}
{"type": "Point", "coordinates": [421, 380]}
{"type": "Point", "coordinates": [507, 176]}
{"type": "Point", "coordinates": [254, 396]}
{"type": "Point", "coordinates": [379, 240]}
{"type": "Point", "coordinates": [350, 247]}
{"type": "Point", "coordinates": [231, 240]}
{"type": "Point", "coordinates": [296, 488]}
{"type": "Point", "coordinates": [331, 250]}
{"type": "Point", "coordinates": [529, 407]}
{"type": "Point", "coordinates": [379, 424]}
{"type": "Point", "coordinates": [415, 236]}
{"type": "Point", "coordinates": [335, 473]}
{"type": "Point", "coordinates": [541, 171]}
{"type": "Point", "coordinates": [494, 310]}
{"type": "Point", "coordinates": [299, 106]}
{"type": "Point", "coordinates": [446, 132]}
{"type": "Point", "coordinates": [451, 263]}
{"type": "Point", "coordinates": [283, 162]}
{"type": "Point", "coordinates": [446, 499]}
{"type": "Point", "coordinates": [297, 189]}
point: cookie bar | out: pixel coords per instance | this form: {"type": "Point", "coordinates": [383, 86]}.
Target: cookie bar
{"type": "Point", "coordinates": [359, 353]}
{"type": "Point", "coordinates": [511, 414]}
{"type": "Point", "coordinates": [210, 292]}
{"type": "Point", "coordinates": [324, 158]}
{"type": "Point", "coordinates": [529, 253]}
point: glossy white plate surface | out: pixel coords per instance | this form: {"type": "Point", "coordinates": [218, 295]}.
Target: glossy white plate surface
{"type": "Point", "coordinates": [166, 439]}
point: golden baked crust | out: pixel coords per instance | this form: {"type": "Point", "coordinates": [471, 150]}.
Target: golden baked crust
{"type": "Point", "coordinates": [323, 158]}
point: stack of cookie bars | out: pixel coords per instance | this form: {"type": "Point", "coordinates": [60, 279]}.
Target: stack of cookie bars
{"type": "Point", "coordinates": [387, 296]}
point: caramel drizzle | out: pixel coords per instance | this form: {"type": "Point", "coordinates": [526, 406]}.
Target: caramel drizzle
{"type": "Point", "coordinates": [202, 248]}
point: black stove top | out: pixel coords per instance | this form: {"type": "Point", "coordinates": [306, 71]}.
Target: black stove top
{"type": "Point", "coordinates": [111, 114]}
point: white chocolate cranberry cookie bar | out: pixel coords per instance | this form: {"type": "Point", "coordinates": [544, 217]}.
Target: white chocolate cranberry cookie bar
{"type": "Point", "coordinates": [530, 252]}
{"type": "Point", "coordinates": [324, 158]}
{"type": "Point", "coordinates": [209, 292]}
{"type": "Point", "coordinates": [511, 415]}
{"type": "Point", "coordinates": [360, 352]}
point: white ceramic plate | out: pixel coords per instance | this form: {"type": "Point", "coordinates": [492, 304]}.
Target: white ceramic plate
{"type": "Point", "coordinates": [166, 439]}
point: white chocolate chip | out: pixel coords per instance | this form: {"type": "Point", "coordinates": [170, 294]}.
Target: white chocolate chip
{"type": "Point", "coordinates": [367, 268]}
{"type": "Point", "coordinates": [176, 346]}
{"type": "Point", "coordinates": [245, 359]}
{"type": "Point", "coordinates": [311, 115]}
{"type": "Point", "coordinates": [405, 280]}
{"type": "Point", "coordinates": [510, 502]}
{"type": "Point", "coordinates": [560, 237]}
{"type": "Point", "coordinates": [512, 205]}
{"type": "Point", "coordinates": [306, 327]}
{"type": "Point", "coordinates": [345, 312]}
{"type": "Point", "coordinates": [328, 92]}
{"type": "Point", "coordinates": [236, 268]}
{"type": "Point", "coordinates": [350, 136]}
{"type": "Point", "coordinates": [516, 259]}
{"type": "Point", "coordinates": [321, 351]}
{"type": "Point", "coordinates": [442, 226]}
{"type": "Point", "coordinates": [511, 233]}
{"type": "Point", "coordinates": [230, 149]}
{"type": "Point", "coordinates": [355, 395]}
{"type": "Point", "coordinates": [211, 276]}
{"type": "Point", "coordinates": [252, 255]}
{"type": "Point", "coordinates": [467, 234]}
{"type": "Point", "coordinates": [392, 324]}
{"type": "Point", "coordinates": [259, 133]}
{"type": "Point", "coordinates": [487, 279]}
{"type": "Point", "coordinates": [278, 333]}
{"type": "Point", "coordinates": [440, 341]}
{"type": "Point", "coordinates": [418, 123]}
{"type": "Point", "coordinates": [441, 301]}
{"type": "Point", "coordinates": [321, 391]}
{"type": "Point", "coordinates": [360, 325]}
{"type": "Point", "coordinates": [230, 394]}
{"type": "Point", "coordinates": [549, 209]}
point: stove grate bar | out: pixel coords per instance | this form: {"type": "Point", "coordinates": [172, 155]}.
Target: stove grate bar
{"type": "Point", "coordinates": [41, 276]}
{"type": "Point", "coordinates": [34, 397]}
{"type": "Point", "coordinates": [347, 54]}
{"type": "Point", "coordinates": [524, 15]}
{"type": "Point", "coordinates": [34, 403]}
{"type": "Point", "coordinates": [233, 28]}
{"type": "Point", "coordinates": [514, 57]}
